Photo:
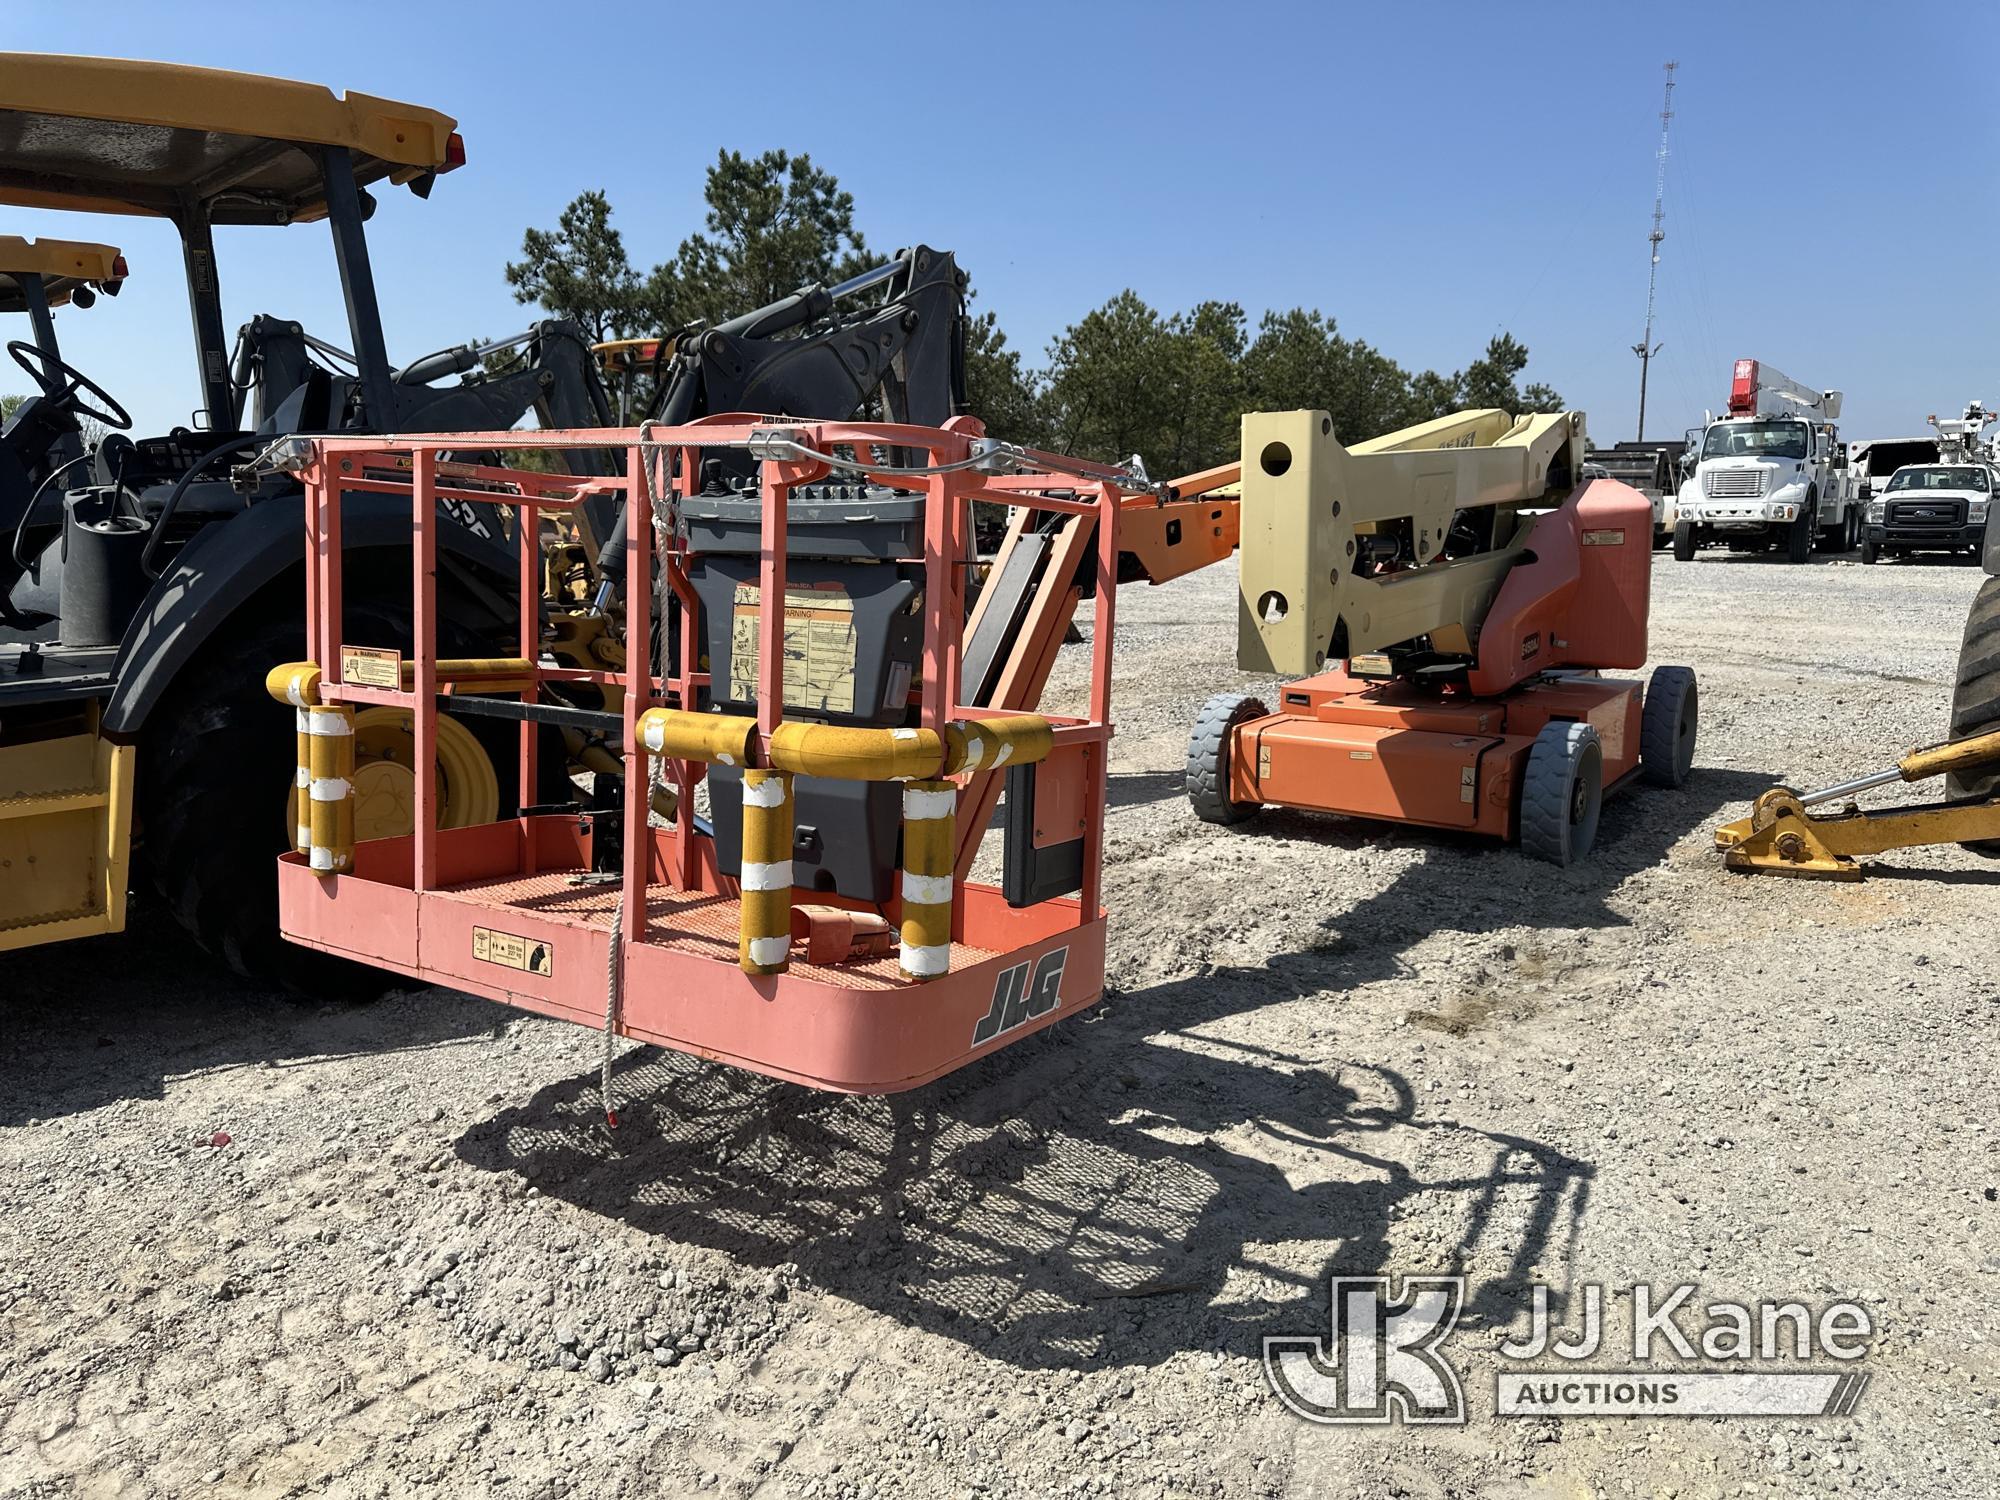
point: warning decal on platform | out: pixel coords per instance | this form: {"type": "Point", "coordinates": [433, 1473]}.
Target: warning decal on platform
{"type": "Point", "coordinates": [512, 951]}
{"type": "Point", "coordinates": [819, 648]}
{"type": "Point", "coordinates": [367, 666]}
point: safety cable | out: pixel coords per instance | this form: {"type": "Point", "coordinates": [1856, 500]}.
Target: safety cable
{"type": "Point", "coordinates": [614, 988]}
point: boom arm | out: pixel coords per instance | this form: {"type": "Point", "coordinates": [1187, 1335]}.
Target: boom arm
{"type": "Point", "coordinates": [1758, 390]}
{"type": "Point", "coordinates": [909, 348]}
{"type": "Point", "coordinates": [1350, 550]}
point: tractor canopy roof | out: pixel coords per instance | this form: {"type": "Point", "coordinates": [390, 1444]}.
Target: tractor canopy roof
{"type": "Point", "coordinates": [108, 135]}
{"type": "Point", "coordinates": [63, 265]}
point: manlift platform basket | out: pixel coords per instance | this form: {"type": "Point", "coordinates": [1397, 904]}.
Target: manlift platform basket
{"type": "Point", "coordinates": [670, 946]}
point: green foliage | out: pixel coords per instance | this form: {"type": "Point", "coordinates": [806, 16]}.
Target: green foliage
{"type": "Point", "coordinates": [9, 405]}
{"type": "Point", "coordinates": [775, 223]}
{"type": "Point", "coordinates": [1000, 392]}
{"type": "Point", "coordinates": [1172, 389]}
{"type": "Point", "coordinates": [1488, 381]}
{"type": "Point", "coordinates": [580, 271]}
{"type": "Point", "coordinates": [1123, 379]}
{"type": "Point", "coordinates": [1300, 361]}
{"type": "Point", "coordinates": [1099, 389]}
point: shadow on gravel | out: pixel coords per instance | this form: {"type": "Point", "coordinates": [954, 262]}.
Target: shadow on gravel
{"type": "Point", "coordinates": [87, 1023]}
{"type": "Point", "coordinates": [1121, 1188]}
{"type": "Point", "coordinates": [1875, 870]}
{"type": "Point", "coordinates": [1130, 788]}
{"type": "Point", "coordinates": [1771, 557]}
{"type": "Point", "coordinates": [1482, 885]}
{"type": "Point", "coordinates": [1777, 559]}
{"type": "Point", "coordinates": [1082, 1199]}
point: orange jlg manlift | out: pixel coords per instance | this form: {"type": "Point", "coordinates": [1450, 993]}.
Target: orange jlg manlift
{"type": "Point", "coordinates": [853, 726]}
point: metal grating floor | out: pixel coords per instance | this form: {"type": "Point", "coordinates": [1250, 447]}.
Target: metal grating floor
{"type": "Point", "coordinates": [695, 923]}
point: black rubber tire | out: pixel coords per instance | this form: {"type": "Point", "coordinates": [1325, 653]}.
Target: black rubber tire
{"type": "Point", "coordinates": [1208, 758]}
{"type": "Point", "coordinates": [210, 841]}
{"type": "Point", "coordinates": [1662, 540]}
{"type": "Point", "coordinates": [1668, 725]}
{"type": "Point", "coordinates": [1975, 696]}
{"type": "Point", "coordinates": [1804, 531]}
{"type": "Point", "coordinates": [1853, 528]}
{"type": "Point", "coordinates": [1870, 553]}
{"type": "Point", "coordinates": [1562, 793]}
{"type": "Point", "coordinates": [1684, 541]}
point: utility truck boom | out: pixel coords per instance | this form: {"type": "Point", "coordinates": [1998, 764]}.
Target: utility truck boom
{"type": "Point", "coordinates": [1770, 472]}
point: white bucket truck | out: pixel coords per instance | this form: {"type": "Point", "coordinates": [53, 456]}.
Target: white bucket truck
{"type": "Point", "coordinates": [1771, 473]}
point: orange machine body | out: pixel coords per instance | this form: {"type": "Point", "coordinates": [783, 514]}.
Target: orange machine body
{"type": "Point", "coordinates": [1452, 757]}
{"type": "Point", "coordinates": [1341, 744]}
{"type": "Point", "coordinates": [646, 934]}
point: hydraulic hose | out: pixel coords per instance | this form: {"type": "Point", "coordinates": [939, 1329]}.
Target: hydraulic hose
{"type": "Point", "coordinates": [21, 527]}
{"type": "Point", "coordinates": [149, 559]}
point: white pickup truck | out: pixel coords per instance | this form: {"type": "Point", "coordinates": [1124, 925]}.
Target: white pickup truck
{"type": "Point", "coordinates": [1930, 508]}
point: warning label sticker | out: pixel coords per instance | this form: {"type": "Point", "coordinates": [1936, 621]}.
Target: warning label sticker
{"type": "Point", "coordinates": [366, 666]}
{"type": "Point", "coordinates": [819, 648]}
{"type": "Point", "coordinates": [1613, 538]}
{"type": "Point", "coordinates": [512, 951]}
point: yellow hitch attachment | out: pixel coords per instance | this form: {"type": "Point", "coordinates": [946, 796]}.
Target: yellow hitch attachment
{"type": "Point", "coordinates": [1780, 837]}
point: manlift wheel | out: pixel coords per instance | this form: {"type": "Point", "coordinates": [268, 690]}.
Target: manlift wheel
{"type": "Point", "coordinates": [1562, 793]}
{"type": "Point", "coordinates": [1975, 696]}
{"type": "Point", "coordinates": [1668, 725]}
{"type": "Point", "coordinates": [1805, 530]}
{"type": "Point", "coordinates": [1684, 541]}
{"type": "Point", "coordinates": [1208, 757]}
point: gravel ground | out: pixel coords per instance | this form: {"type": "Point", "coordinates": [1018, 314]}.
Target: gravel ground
{"type": "Point", "coordinates": [418, 1265]}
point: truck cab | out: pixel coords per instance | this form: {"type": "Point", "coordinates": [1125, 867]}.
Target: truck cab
{"type": "Point", "coordinates": [1771, 474]}
{"type": "Point", "coordinates": [1930, 508]}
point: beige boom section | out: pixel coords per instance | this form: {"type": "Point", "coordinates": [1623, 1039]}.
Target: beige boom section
{"type": "Point", "coordinates": [1314, 511]}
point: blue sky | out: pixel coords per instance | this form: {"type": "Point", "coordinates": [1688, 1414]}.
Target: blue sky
{"type": "Point", "coordinates": [1427, 174]}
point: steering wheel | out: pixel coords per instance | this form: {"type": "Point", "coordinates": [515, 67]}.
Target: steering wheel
{"type": "Point", "coordinates": [44, 369]}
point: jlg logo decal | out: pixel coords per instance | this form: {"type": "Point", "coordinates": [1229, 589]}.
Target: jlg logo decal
{"type": "Point", "coordinates": [1017, 999]}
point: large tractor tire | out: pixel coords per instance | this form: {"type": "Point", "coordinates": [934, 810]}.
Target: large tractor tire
{"type": "Point", "coordinates": [1804, 531]}
{"type": "Point", "coordinates": [1208, 757]}
{"type": "Point", "coordinates": [215, 772]}
{"type": "Point", "coordinates": [1975, 696]}
{"type": "Point", "coordinates": [1562, 793]}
